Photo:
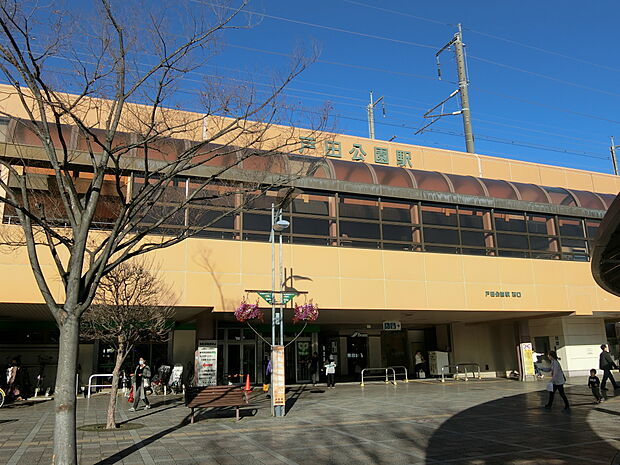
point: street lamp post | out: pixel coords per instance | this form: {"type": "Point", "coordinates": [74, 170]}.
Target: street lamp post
{"type": "Point", "coordinates": [278, 224]}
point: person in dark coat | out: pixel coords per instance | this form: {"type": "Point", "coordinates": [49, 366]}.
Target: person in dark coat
{"type": "Point", "coordinates": [606, 363]}
{"type": "Point", "coordinates": [141, 381]}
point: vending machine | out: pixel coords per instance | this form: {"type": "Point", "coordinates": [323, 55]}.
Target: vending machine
{"type": "Point", "coordinates": [436, 360]}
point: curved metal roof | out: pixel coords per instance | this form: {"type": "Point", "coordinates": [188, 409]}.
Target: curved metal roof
{"type": "Point", "coordinates": [366, 173]}
{"type": "Point", "coordinates": [605, 263]}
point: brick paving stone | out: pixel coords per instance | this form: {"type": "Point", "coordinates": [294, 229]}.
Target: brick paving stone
{"type": "Point", "coordinates": [476, 423]}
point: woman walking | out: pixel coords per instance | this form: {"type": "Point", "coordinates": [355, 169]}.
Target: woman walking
{"type": "Point", "coordinates": [141, 381]}
{"type": "Point", "coordinates": [557, 381]}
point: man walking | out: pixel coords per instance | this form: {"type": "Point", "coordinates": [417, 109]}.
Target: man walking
{"type": "Point", "coordinates": [606, 363]}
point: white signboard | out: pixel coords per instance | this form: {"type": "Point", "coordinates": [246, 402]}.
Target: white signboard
{"type": "Point", "coordinates": [207, 362]}
{"type": "Point", "coordinates": [391, 326]}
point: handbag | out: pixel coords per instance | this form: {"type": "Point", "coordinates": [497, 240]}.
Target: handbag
{"type": "Point", "coordinates": [550, 386]}
{"type": "Point", "coordinates": [130, 398]}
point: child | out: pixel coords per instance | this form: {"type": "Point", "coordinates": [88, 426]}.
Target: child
{"type": "Point", "coordinates": [594, 383]}
{"type": "Point", "coordinates": [330, 371]}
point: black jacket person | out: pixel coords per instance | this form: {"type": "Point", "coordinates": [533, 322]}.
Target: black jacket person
{"type": "Point", "coordinates": [606, 363]}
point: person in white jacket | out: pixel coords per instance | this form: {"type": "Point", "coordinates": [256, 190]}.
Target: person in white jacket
{"type": "Point", "coordinates": [557, 379]}
{"type": "Point", "coordinates": [330, 371]}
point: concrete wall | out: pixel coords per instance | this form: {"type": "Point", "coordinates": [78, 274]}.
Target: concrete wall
{"type": "Point", "coordinates": [577, 338]}
{"type": "Point", "coordinates": [491, 345]}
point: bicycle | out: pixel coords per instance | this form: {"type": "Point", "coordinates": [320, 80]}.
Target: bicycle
{"type": "Point", "coordinates": [2, 397]}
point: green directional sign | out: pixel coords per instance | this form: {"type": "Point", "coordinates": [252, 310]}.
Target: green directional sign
{"type": "Point", "coordinates": [267, 296]}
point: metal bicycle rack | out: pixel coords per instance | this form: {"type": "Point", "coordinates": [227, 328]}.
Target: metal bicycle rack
{"type": "Point", "coordinates": [404, 369]}
{"type": "Point", "coordinates": [473, 372]}
{"type": "Point", "coordinates": [457, 372]}
{"type": "Point", "coordinates": [383, 376]}
{"type": "Point", "coordinates": [90, 385]}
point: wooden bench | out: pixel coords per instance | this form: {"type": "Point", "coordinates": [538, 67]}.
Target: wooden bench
{"type": "Point", "coordinates": [215, 396]}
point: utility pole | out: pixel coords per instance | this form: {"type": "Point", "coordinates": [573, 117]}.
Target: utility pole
{"type": "Point", "coordinates": [463, 83]}
{"type": "Point", "coordinates": [461, 69]}
{"type": "Point", "coordinates": [612, 149]}
{"type": "Point", "coordinates": [370, 109]}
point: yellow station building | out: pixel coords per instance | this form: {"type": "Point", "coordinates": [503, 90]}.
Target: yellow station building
{"type": "Point", "coordinates": [403, 248]}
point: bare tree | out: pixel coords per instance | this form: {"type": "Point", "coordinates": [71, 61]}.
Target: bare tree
{"type": "Point", "coordinates": [132, 305]}
{"type": "Point", "coordinates": [117, 172]}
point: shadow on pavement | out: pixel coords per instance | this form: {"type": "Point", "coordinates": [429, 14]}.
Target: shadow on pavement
{"type": "Point", "coordinates": [517, 430]}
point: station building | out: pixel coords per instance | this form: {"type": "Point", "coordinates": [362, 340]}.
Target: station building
{"type": "Point", "coordinates": [402, 247]}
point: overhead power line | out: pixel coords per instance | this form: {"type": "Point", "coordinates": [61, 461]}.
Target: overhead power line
{"type": "Point", "coordinates": [486, 34]}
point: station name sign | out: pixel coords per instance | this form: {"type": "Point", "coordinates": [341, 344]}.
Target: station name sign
{"type": "Point", "coordinates": [355, 152]}
{"type": "Point", "coordinates": [510, 294]}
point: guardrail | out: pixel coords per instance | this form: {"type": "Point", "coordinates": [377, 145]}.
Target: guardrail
{"type": "Point", "coordinates": [404, 368]}
{"type": "Point", "coordinates": [385, 370]}
{"type": "Point", "coordinates": [464, 365]}
{"type": "Point", "coordinates": [443, 373]}
{"type": "Point", "coordinates": [90, 385]}
{"type": "Point", "coordinates": [457, 372]}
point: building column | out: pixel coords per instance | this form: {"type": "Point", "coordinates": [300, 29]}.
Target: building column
{"type": "Point", "coordinates": [205, 326]}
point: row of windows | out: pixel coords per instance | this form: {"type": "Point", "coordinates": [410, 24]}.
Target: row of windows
{"type": "Point", "coordinates": [366, 222]}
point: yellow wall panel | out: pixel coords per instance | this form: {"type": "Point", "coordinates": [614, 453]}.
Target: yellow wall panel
{"type": "Point", "coordinates": [494, 168]}
{"type": "Point", "coordinates": [223, 256]}
{"type": "Point", "coordinates": [551, 176]}
{"type": "Point", "coordinates": [406, 295]}
{"type": "Point", "coordinates": [362, 293]}
{"type": "Point", "coordinates": [552, 298]}
{"type": "Point", "coordinates": [443, 267]}
{"type": "Point", "coordinates": [605, 184]}
{"type": "Point", "coordinates": [435, 160]}
{"type": "Point", "coordinates": [515, 270]}
{"type": "Point", "coordinates": [524, 172]}
{"type": "Point", "coordinates": [403, 265]}
{"type": "Point", "coordinates": [446, 295]}
{"type": "Point", "coordinates": [465, 164]}
{"type": "Point", "coordinates": [360, 263]}
{"type": "Point", "coordinates": [480, 269]}
{"type": "Point", "coordinates": [579, 180]}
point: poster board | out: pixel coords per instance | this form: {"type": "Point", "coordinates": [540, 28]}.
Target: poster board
{"type": "Point", "coordinates": [277, 376]}
{"type": "Point", "coordinates": [206, 363]}
{"type": "Point", "coordinates": [527, 359]}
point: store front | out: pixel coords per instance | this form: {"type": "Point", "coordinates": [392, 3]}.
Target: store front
{"type": "Point", "coordinates": [241, 351]}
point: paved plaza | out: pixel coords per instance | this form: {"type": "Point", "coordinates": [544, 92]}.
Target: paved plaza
{"type": "Point", "coordinates": [424, 422]}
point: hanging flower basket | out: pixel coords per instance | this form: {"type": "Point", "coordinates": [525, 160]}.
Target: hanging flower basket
{"type": "Point", "coordinates": [306, 312]}
{"type": "Point", "coordinates": [247, 312]}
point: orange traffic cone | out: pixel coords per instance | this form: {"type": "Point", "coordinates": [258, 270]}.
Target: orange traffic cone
{"type": "Point", "coordinates": [247, 388]}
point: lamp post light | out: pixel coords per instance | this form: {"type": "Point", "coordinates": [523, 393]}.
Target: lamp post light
{"type": "Point", "coordinates": [278, 224]}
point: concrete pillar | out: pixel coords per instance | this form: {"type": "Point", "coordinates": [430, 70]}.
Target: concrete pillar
{"type": "Point", "coordinates": [205, 326]}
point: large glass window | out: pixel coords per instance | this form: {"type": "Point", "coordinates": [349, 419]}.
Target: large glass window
{"type": "Point", "coordinates": [392, 210]}
{"type": "Point", "coordinates": [359, 207]}
{"type": "Point", "coordinates": [439, 215]}
{"type": "Point", "coordinates": [509, 221]}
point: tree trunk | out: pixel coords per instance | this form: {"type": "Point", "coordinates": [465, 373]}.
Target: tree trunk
{"type": "Point", "coordinates": [111, 417]}
{"type": "Point", "coordinates": [65, 445]}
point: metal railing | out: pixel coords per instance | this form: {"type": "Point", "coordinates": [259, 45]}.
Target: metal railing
{"type": "Point", "coordinates": [386, 376]}
{"type": "Point", "coordinates": [443, 371]}
{"type": "Point", "coordinates": [91, 385]}
{"type": "Point", "coordinates": [473, 373]}
{"type": "Point", "coordinates": [457, 372]}
{"type": "Point", "coordinates": [401, 367]}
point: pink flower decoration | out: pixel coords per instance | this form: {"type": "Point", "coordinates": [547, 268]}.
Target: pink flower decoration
{"type": "Point", "coordinates": [246, 311]}
{"type": "Point", "coordinates": [306, 312]}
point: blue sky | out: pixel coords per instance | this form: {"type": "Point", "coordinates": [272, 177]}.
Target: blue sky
{"type": "Point", "coordinates": [543, 74]}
